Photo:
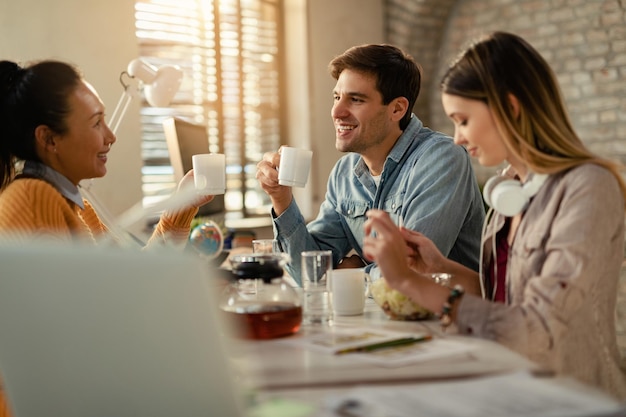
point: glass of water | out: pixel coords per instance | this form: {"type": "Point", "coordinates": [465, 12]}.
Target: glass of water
{"type": "Point", "coordinates": [316, 303]}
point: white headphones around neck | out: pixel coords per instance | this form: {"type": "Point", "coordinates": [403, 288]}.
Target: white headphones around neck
{"type": "Point", "coordinates": [509, 196]}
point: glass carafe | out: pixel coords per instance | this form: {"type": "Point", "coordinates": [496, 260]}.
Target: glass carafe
{"type": "Point", "coordinates": [259, 303]}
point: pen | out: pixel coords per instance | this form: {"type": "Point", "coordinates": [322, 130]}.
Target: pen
{"type": "Point", "coordinates": [384, 345]}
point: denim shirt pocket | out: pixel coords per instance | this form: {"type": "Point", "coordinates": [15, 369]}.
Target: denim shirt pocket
{"type": "Point", "coordinates": [353, 213]}
{"type": "Point", "coordinates": [393, 206]}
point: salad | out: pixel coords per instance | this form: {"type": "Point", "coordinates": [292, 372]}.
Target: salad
{"type": "Point", "coordinates": [395, 304]}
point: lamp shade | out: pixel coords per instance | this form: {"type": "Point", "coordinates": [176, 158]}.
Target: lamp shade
{"type": "Point", "coordinates": [164, 87]}
{"type": "Point", "coordinates": [160, 85]}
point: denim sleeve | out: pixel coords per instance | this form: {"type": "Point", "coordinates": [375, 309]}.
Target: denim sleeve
{"type": "Point", "coordinates": [294, 236]}
{"type": "Point", "coordinates": [440, 198]}
{"type": "Point", "coordinates": [444, 203]}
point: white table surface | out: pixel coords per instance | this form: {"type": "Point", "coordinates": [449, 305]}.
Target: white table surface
{"type": "Point", "coordinates": [280, 364]}
{"type": "Point", "coordinates": [283, 378]}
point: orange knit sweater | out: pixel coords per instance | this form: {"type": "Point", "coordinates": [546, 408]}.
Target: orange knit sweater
{"type": "Point", "coordinates": [33, 207]}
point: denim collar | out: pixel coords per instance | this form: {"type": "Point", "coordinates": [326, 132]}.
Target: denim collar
{"type": "Point", "coordinates": [61, 183]}
{"type": "Point", "coordinates": [400, 148]}
{"type": "Point", "coordinates": [406, 139]}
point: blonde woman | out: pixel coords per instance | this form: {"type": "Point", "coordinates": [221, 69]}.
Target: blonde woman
{"type": "Point", "coordinates": [553, 242]}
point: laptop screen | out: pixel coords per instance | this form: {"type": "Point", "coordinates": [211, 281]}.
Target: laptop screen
{"type": "Point", "coordinates": [89, 331]}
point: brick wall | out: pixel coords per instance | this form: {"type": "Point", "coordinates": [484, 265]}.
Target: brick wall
{"type": "Point", "coordinates": [583, 40]}
{"type": "Point", "coordinates": [418, 27]}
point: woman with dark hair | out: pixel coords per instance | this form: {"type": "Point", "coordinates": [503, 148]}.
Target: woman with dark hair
{"type": "Point", "coordinates": [53, 123]}
{"type": "Point", "coordinates": [553, 242]}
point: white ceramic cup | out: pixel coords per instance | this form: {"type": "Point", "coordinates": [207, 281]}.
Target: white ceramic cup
{"type": "Point", "coordinates": [209, 173]}
{"type": "Point", "coordinates": [349, 288]}
{"type": "Point", "coordinates": [295, 164]}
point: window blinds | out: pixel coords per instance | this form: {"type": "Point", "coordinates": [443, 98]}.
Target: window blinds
{"type": "Point", "coordinates": [229, 51]}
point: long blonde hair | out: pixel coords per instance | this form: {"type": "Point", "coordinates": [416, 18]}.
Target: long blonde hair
{"type": "Point", "coordinates": [540, 133]}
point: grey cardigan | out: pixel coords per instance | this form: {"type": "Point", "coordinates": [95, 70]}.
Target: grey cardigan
{"type": "Point", "coordinates": [562, 276]}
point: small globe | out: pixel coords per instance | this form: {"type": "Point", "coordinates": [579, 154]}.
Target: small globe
{"type": "Point", "coordinates": [207, 239]}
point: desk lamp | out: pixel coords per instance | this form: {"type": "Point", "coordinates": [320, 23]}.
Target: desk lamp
{"type": "Point", "coordinates": [159, 86]}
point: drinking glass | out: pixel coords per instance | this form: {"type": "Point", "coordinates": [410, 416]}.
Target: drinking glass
{"type": "Point", "coordinates": [265, 246]}
{"type": "Point", "coordinates": [316, 269]}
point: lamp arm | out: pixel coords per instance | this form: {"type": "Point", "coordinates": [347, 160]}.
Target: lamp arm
{"type": "Point", "coordinates": [120, 110]}
{"type": "Point", "coordinates": [130, 91]}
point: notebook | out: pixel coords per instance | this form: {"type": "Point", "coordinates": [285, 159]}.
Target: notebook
{"type": "Point", "coordinates": [88, 331]}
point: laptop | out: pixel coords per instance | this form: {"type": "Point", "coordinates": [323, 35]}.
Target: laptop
{"type": "Point", "coordinates": [88, 331]}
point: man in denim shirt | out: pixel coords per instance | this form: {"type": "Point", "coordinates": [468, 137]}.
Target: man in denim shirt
{"type": "Point", "coordinates": [393, 163]}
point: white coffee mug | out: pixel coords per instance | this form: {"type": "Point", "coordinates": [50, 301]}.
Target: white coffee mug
{"type": "Point", "coordinates": [294, 167]}
{"type": "Point", "coordinates": [349, 287]}
{"type": "Point", "coordinates": [209, 173]}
